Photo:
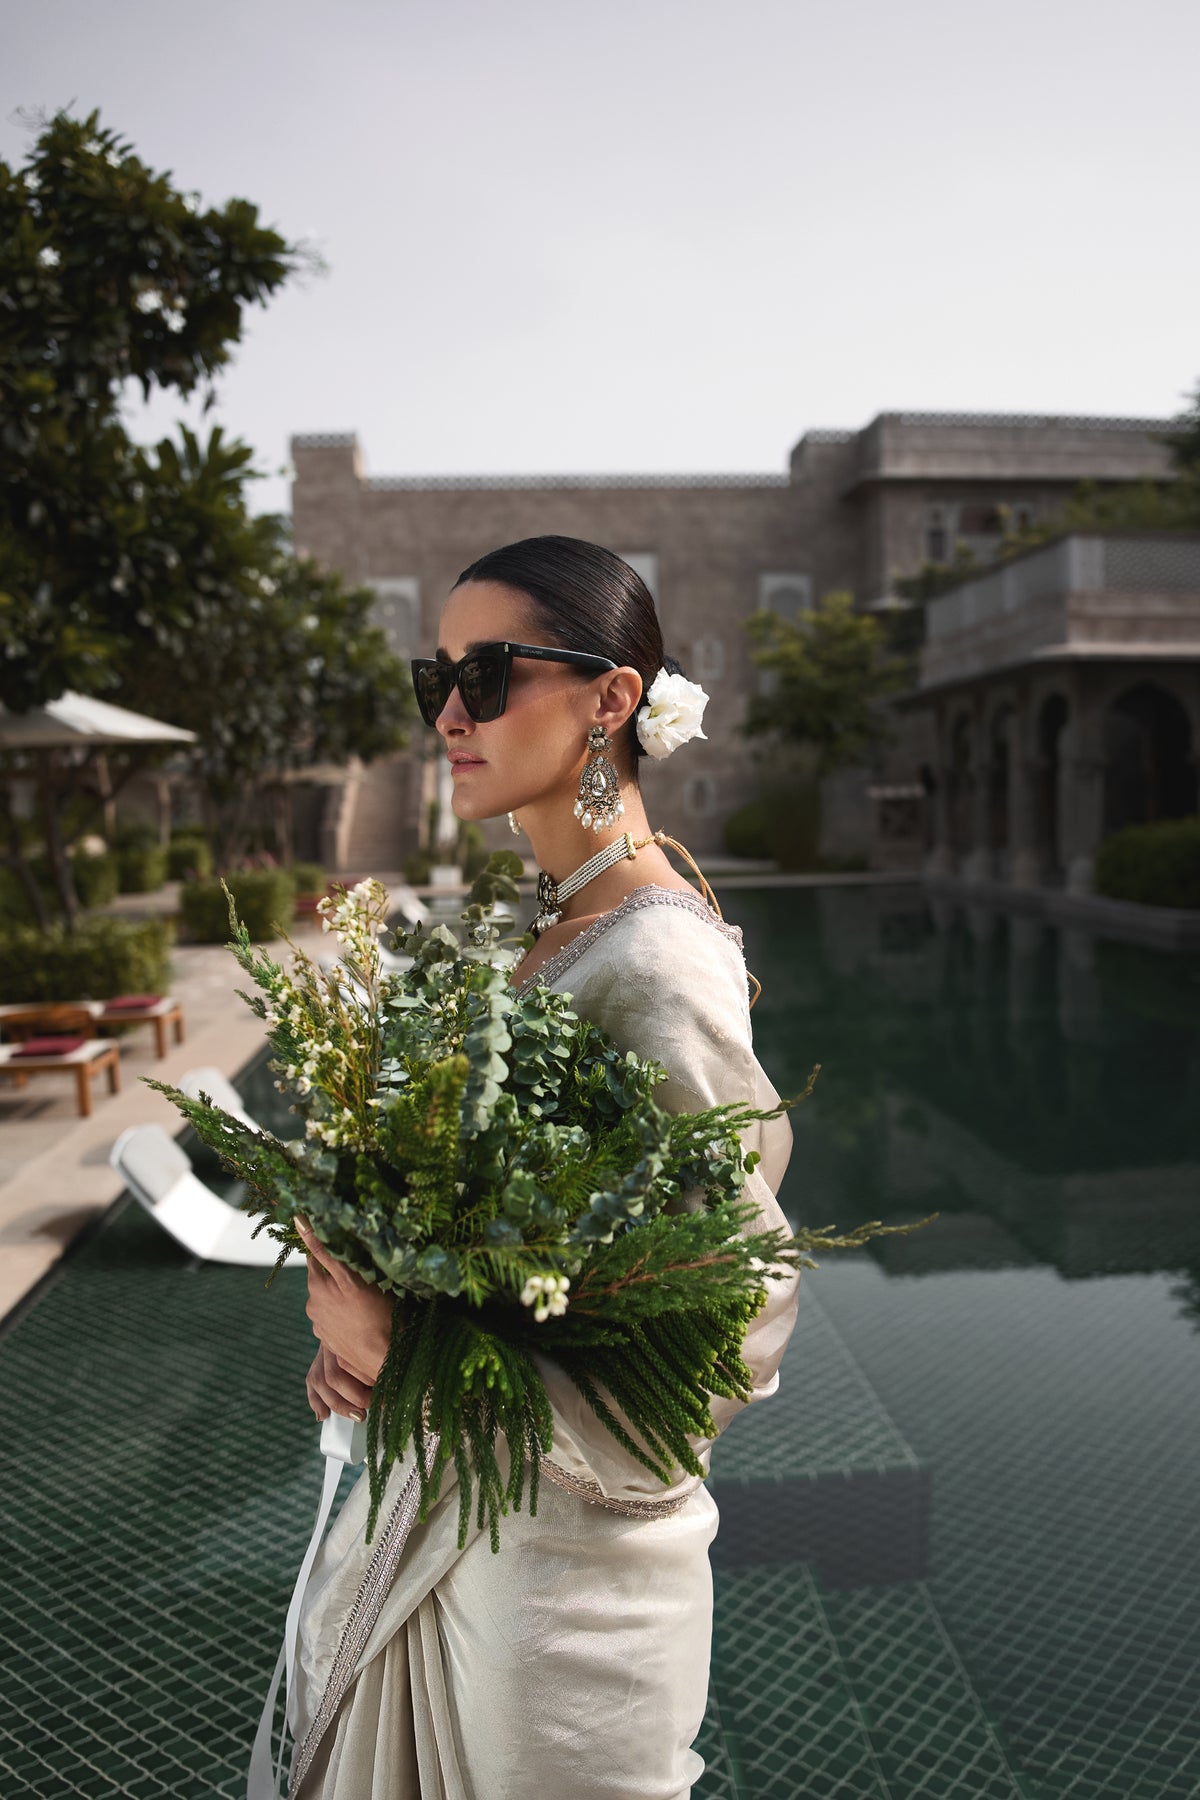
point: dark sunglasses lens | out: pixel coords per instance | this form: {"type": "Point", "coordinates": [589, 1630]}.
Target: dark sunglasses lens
{"type": "Point", "coordinates": [433, 691]}
{"type": "Point", "coordinates": [479, 682]}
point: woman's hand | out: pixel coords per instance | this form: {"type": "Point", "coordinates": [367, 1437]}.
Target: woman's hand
{"type": "Point", "coordinates": [352, 1317]}
{"type": "Point", "coordinates": [332, 1389]}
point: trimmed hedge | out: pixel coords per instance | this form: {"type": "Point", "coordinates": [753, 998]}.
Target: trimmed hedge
{"type": "Point", "coordinates": [783, 823]}
{"type": "Point", "coordinates": [189, 857]}
{"type": "Point", "coordinates": [265, 900]}
{"type": "Point", "coordinates": [1156, 864]}
{"type": "Point", "coordinates": [142, 868]}
{"type": "Point", "coordinates": [306, 878]}
{"type": "Point", "coordinates": [97, 878]}
{"type": "Point", "coordinates": [101, 958]}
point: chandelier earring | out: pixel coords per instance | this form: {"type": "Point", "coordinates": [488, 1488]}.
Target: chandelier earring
{"type": "Point", "coordinates": [599, 801]}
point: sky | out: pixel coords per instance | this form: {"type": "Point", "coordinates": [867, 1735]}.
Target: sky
{"type": "Point", "coordinates": [662, 236]}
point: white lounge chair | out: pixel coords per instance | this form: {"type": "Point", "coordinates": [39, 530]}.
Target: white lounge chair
{"type": "Point", "coordinates": [222, 1093]}
{"type": "Point", "coordinates": [159, 1174]}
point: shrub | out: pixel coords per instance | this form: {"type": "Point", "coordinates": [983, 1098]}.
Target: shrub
{"type": "Point", "coordinates": [417, 868]}
{"type": "Point", "coordinates": [265, 901]}
{"type": "Point", "coordinates": [746, 831]}
{"type": "Point", "coordinates": [102, 957]}
{"type": "Point", "coordinates": [472, 851]}
{"type": "Point", "coordinates": [97, 878]}
{"type": "Point", "coordinates": [141, 868]}
{"type": "Point", "coordinates": [1157, 864]}
{"type": "Point", "coordinates": [783, 823]}
{"type": "Point", "coordinates": [15, 904]}
{"type": "Point", "coordinates": [307, 878]}
{"type": "Point", "coordinates": [188, 855]}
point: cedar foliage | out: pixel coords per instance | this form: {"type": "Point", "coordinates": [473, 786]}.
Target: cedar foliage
{"type": "Point", "coordinates": [462, 1143]}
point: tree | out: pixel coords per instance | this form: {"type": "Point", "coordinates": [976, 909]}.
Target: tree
{"type": "Point", "coordinates": [278, 666]}
{"type": "Point", "coordinates": [109, 275]}
{"type": "Point", "coordinates": [136, 573]}
{"type": "Point", "coordinates": [831, 671]}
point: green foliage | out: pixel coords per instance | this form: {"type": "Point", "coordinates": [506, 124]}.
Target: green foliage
{"type": "Point", "coordinates": [1156, 864]}
{"type": "Point", "coordinates": [100, 958]}
{"type": "Point", "coordinates": [112, 275]}
{"type": "Point", "coordinates": [266, 899]}
{"type": "Point", "coordinates": [472, 851]}
{"type": "Point", "coordinates": [830, 671]}
{"type": "Point", "coordinates": [97, 878]}
{"type": "Point", "coordinates": [783, 823]}
{"type": "Point", "coordinates": [142, 869]}
{"type": "Point", "coordinates": [307, 878]}
{"type": "Point", "coordinates": [479, 1154]}
{"type": "Point", "coordinates": [189, 857]}
{"type": "Point", "coordinates": [139, 572]}
{"type": "Point", "coordinates": [417, 868]}
{"type": "Point", "coordinates": [746, 831]}
{"type": "Point", "coordinates": [1184, 443]}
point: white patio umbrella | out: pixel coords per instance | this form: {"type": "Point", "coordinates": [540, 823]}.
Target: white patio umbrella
{"type": "Point", "coordinates": [75, 721]}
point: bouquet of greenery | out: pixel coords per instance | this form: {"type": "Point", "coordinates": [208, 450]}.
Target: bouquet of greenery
{"type": "Point", "coordinates": [498, 1165]}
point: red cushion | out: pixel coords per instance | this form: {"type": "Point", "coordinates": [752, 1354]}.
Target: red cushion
{"type": "Point", "coordinates": [49, 1046]}
{"type": "Point", "coordinates": [132, 1001]}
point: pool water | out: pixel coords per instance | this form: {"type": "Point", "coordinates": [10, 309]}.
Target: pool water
{"type": "Point", "coordinates": [963, 1557]}
{"type": "Point", "coordinates": [959, 1550]}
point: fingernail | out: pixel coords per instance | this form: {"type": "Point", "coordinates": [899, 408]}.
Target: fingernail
{"type": "Point", "coordinates": [359, 1416]}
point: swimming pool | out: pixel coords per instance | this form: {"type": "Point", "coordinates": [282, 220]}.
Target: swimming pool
{"type": "Point", "coordinates": [991, 1483]}
{"type": "Point", "coordinates": [958, 1553]}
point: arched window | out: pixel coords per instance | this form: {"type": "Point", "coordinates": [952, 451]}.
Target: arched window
{"type": "Point", "coordinates": [397, 612]}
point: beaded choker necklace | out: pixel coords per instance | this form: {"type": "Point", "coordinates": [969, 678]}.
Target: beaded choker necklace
{"type": "Point", "coordinates": [551, 893]}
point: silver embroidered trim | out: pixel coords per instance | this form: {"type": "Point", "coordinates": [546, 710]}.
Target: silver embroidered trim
{"type": "Point", "coordinates": [361, 1619]}
{"type": "Point", "coordinates": [587, 1489]}
{"type": "Point", "coordinates": [650, 894]}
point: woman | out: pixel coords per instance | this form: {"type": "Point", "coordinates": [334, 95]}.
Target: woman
{"type": "Point", "coordinates": [574, 1662]}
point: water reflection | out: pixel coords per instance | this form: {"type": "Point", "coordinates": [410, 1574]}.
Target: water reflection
{"type": "Point", "coordinates": [1038, 1086]}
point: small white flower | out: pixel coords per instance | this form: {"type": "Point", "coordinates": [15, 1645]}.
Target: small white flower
{"type": "Point", "coordinates": [672, 714]}
{"type": "Point", "coordinates": [112, 159]}
{"type": "Point", "coordinates": [48, 257]}
{"type": "Point", "coordinates": [549, 1292]}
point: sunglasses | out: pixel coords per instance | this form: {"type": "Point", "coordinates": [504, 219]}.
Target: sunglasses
{"type": "Point", "coordinates": [481, 677]}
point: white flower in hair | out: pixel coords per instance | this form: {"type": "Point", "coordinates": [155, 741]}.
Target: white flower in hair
{"type": "Point", "coordinates": [672, 714]}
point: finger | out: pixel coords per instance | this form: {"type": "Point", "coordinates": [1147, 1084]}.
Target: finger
{"type": "Point", "coordinates": [337, 1270]}
{"type": "Point", "coordinates": [337, 1402]}
{"type": "Point", "coordinates": [314, 1399]}
{"type": "Point", "coordinates": [341, 1380]}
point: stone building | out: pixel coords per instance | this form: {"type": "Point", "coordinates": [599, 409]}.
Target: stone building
{"type": "Point", "coordinates": [854, 510]}
{"type": "Point", "coordinates": [1063, 690]}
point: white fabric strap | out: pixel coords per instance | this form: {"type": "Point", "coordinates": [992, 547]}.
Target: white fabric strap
{"type": "Point", "coordinates": [343, 1441]}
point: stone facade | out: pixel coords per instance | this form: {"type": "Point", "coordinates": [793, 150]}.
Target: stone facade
{"type": "Point", "coordinates": [1064, 694]}
{"type": "Point", "coordinates": [854, 510]}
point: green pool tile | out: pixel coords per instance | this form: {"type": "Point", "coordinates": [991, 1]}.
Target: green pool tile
{"type": "Point", "coordinates": [791, 1718]}
{"type": "Point", "coordinates": [930, 1733]}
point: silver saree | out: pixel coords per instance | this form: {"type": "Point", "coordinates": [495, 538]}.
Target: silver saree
{"type": "Point", "coordinates": [575, 1662]}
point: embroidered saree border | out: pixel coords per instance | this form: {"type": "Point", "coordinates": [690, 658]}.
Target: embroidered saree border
{"type": "Point", "coordinates": [587, 1489]}
{"type": "Point", "coordinates": [360, 1620]}
{"type": "Point", "coordinates": [648, 895]}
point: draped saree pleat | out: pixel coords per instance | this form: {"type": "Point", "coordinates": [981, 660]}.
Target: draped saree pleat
{"type": "Point", "coordinates": [575, 1661]}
